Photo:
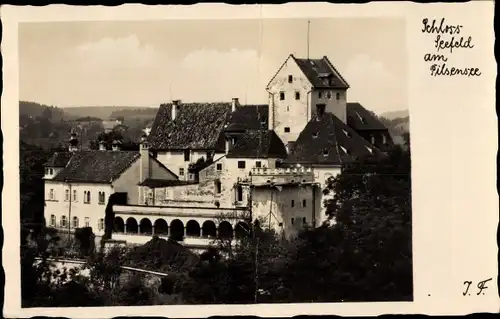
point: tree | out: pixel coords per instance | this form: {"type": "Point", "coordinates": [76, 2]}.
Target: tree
{"type": "Point", "coordinates": [364, 252]}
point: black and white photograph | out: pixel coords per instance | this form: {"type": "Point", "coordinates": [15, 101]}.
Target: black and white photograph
{"type": "Point", "coordinates": [231, 164]}
{"type": "Point", "coordinates": [235, 161]}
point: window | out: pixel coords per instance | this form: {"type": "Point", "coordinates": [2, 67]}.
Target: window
{"type": "Point", "coordinates": [87, 222]}
{"type": "Point", "coordinates": [53, 220]}
{"type": "Point", "coordinates": [384, 139]}
{"type": "Point", "coordinates": [304, 220]}
{"type": "Point", "coordinates": [288, 108]}
{"type": "Point", "coordinates": [287, 130]}
{"type": "Point", "coordinates": [86, 197]}
{"type": "Point", "coordinates": [100, 225]}
{"type": "Point", "coordinates": [315, 134]}
{"type": "Point", "coordinates": [304, 202]}
{"type": "Point", "coordinates": [320, 109]}
{"type": "Point", "coordinates": [292, 203]}
{"type": "Point", "coordinates": [239, 194]}
{"type": "Point", "coordinates": [282, 96]}
{"type": "Point", "coordinates": [293, 220]}
{"type": "Point", "coordinates": [337, 96]}
{"type": "Point", "coordinates": [64, 221]}
{"type": "Point", "coordinates": [241, 164]}
{"type": "Point", "coordinates": [345, 150]}
{"type": "Point", "coordinates": [297, 95]}
{"type": "Point", "coordinates": [66, 195]}
{"type": "Point", "coordinates": [219, 167]}
{"type": "Point", "coordinates": [51, 194]}
{"type": "Point", "coordinates": [51, 171]}
{"type": "Point", "coordinates": [258, 164]}
{"type": "Point", "coordinates": [218, 187]}
{"type": "Point", "coordinates": [325, 152]}
{"type": "Point", "coordinates": [181, 171]}
{"type": "Point", "coordinates": [74, 195]}
{"type": "Point", "coordinates": [75, 222]}
{"type": "Point", "coordinates": [372, 139]}
{"type": "Point", "coordinates": [320, 95]}
{"type": "Point", "coordinates": [186, 155]}
{"type": "Point", "coordinates": [102, 198]}
{"type": "Point", "coordinates": [290, 79]}
{"type": "Point", "coordinates": [328, 95]}
{"type": "Point", "coordinates": [346, 133]}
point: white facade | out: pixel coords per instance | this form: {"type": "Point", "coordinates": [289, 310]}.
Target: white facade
{"type": "Point", "coordinates": [293, 101]}
{"type": "Point", "coordinates": [81, 204]}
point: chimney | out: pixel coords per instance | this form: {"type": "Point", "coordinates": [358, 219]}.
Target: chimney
{"type": "Point", "coordinates": [234, 104]}
{"type": "Point", "coordinates": [73, 142]}
{"type": "Point", "coordinates": [290, 146]}
{"type": "Point", "coordinates": [144, 160]}
{"type": "Point", "coordinates": [102, 145]}
{"type": "Point", "coordinates": [116, 145]}
{"type": "Point", "coordinates": [228, 144]}
{"type": "Point", "coordinates": [175, 108]}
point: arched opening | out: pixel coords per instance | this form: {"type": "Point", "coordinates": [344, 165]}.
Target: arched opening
{"type": "Point", "coordinates": [118, 225]}
{"type": "Point", "coordinates": [193, 228]}
{"type": "Point", "coordinates": [209, 229]}
{"type": "Point", "coordinates": [161, 227]}
{"type": "Point", "coordinates": [146, 227]}
{"type": "Point", "coordinates": [225, 230]}
{"type": "Point", "coordinates": [177, 230]}
{"type": "Point", "coordinates": [132, 225]}
{"type": "Point", "coordinates": [241, 230]}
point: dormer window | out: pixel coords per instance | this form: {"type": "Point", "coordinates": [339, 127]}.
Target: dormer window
{"type": "Point", "coordinates": [320, 109]}
{"type": "Point", "coordinates": [360, 118]}
{"type": "Point", "coordinates": [345, 150]}
{"type": "Point", "coordinates": [369, 149]}
{"type": "Point", "coordinates": [346, 133]}
{"type": "Point", "coordinates": [290, 79]}
{"type": "Point", "coordinates": [315, 134]}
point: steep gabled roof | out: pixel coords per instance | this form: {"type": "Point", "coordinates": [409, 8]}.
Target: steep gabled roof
{"type": "Point", "coordinates": [59, 159]}
{"type": "Point", "coordinates": [196, 126]}
{"type": "Point", "coordinates": [96, 166]}
{"type": "Point", "coordinates": [327, 140]}
{"type": "Point", "coordinates": [258, 144]}
{"type": "Point", "coordinates": [360, 118]}
{"type": "Point", "coordinates": [248, 117]}
{"type": "Point", "coordinates": [318, 71]}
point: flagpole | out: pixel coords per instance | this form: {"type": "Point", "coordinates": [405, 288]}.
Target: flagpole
{"type": "Point", "coordinates": [308, 23]}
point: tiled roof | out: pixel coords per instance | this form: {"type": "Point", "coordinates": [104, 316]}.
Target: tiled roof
{"type": "Point", "coordinates": [59, 159]}
{"type": "Point", "coordinates": [248, 117]}
{"type": "Point", "coordinates": [258, 144]}
{"type": "Point", "coordinates": [318, 70]}
{"type": "Point", "coordinates": [196, 126]}
{"type": "Point", "coordinates": [326, 140]}
{"type": "Point", "coordinates": [159, 183]}
{"type": "Point", "coordinates": [360, 118]}
{"type": "Point", "coordinates": [96, 166]}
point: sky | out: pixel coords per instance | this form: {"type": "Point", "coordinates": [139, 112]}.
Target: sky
{"type": "Point", "coordinates": [146, 63]}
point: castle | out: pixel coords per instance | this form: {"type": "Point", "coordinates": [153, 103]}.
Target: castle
{"type": "Point", "coordinates": [205, 169]}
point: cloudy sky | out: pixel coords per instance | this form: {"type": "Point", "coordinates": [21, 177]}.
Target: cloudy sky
{"type": "Point", "coordinates": [151, 62]}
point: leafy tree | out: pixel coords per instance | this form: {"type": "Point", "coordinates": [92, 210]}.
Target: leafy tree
{"type": "Point", "coordinates": [86, 240]}
{"type": "Point", "coordinates": [364, 252]}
